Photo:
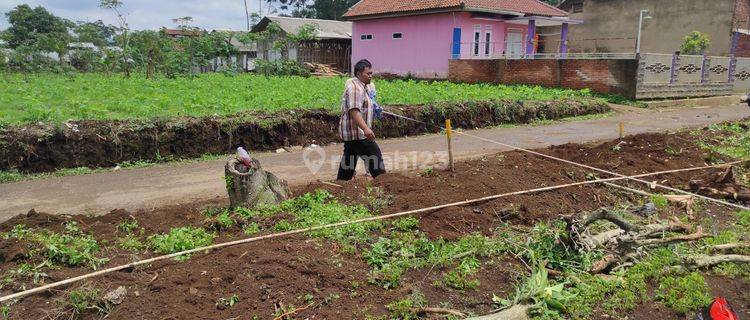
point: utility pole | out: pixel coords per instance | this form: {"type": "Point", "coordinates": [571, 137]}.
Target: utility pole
{"type": "Point", "coordinates": [247, 16]}
{"type": "Point", "coordinates": [645, 14]}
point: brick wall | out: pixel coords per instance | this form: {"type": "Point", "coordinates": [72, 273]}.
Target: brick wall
{"type": "Point", "coordinates": [743, 46]}
{"type": "Point", "coordinates": [473, 71]}
{"type": "Point", "coordinates": [540, 72]}
{"type": "Point", "coordinates": [604, 76]}
{"type": "Point", "coordinates": [741, 17]}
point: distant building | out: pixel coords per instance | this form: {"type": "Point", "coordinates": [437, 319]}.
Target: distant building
{"type": "Point", "coordinates": [246, 52]}
{"type": "Point", "coordinates": [332, 43]}
{"type": "Point", "coordinates": [181, 33]}
{"type": "Point", "coordinates": [420, 37]}
{"type": "Point", "coordinates": [612, 26]}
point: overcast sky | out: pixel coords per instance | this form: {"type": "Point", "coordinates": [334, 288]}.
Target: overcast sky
{"type": "Point", "coordinates": [148, 14]}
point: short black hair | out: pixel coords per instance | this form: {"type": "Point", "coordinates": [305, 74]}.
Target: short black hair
{"type": "Point", "coordinates": [361, 66]}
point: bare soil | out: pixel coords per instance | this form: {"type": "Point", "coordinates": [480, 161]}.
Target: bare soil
{"type": "Point", "coordinates": [272, 274]}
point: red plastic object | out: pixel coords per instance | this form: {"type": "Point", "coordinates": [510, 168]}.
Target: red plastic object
{"type": "Point", "coordinates": [721, 310]}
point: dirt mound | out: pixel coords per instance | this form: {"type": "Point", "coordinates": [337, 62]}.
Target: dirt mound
{"type": "Point", "coordinates": [90, 143]}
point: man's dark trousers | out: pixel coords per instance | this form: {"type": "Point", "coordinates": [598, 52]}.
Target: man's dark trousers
{"type": "Point", "coordinates": [368, 151]}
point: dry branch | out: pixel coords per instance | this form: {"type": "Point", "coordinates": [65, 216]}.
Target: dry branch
{"type": "Point", "coordinates": [730, 247]}
{"type": "Point", "coordinates": [424, 311]}
{"type": "Point", "coordinates": [705, 261]}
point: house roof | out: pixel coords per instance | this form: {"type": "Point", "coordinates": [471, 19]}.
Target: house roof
{"type": "Point", "coordinates": [326, 29]}
{"type": "Point", "coordinates": [375, 8]}
{"type": "Point", "coordinates": [181, 32]}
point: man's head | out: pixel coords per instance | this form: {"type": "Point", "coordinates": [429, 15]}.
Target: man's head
{"type": "Point", "coordinates": [363, 71]}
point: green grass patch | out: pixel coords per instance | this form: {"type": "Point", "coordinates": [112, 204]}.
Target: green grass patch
{"type": "Point", "coordinates": [659, 201]}
{"type": "Point", "coordinates": [51, 97]}
{"type": "Point", "coordinates": [316, 209]}
{"type": "Point", "coordinates": [390, 257]}
{"type": "Point", "coordinates": [684, 294]}
{"type": "Point", "coordinates": [181, 239]}
{"type": "Point", "coordinates": [70, 248]}
{"type": "Point", "coordinates": [732, 140]}
{"type": "Point", "coordinates": [404, 308]}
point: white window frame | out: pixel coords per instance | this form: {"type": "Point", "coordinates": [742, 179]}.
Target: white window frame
{"type": "Point", "coordinates": [488, 41]}
{"type": "Point", "coordinates": [364, 37]}
{"type": "Point", "coordinates": [476, 39]}
{"type": "Point", "coordinates": [393, 35]}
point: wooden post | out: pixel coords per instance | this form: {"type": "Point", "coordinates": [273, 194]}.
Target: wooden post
{"type": "Point", "coordinates": [622, 130]}
{"type": "Point", "coordinates": [449, 134]}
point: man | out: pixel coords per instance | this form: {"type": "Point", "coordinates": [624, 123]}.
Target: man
{"type": "Point", "coordinates": [355, 126]}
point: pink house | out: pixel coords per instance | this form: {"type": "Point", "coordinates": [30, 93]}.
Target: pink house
{"type": "Point", "coordinates": [419, 37]}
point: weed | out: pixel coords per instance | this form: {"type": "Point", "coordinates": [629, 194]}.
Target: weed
{"type": "Point", "coordinates": [18, 232]}
{"type": "Point", "coordinates": [251, 229]}
{"type": "Point", "coordinates": [225, 220]}
{"type": "Point", "coordinates": [71, 248]}
{"type": "Point", "coordinates": [228, 302]}
{"type": "Point", "coordinates": [181, 239]}
{"type": "Point", "coordinates": [672, 151]}
{"type": "Point", "coordinates": [5, 312]}
{"type": "Point", "coordinates": [733, 140]}
{"type": "Point", "coordinates": [330, 298]}
{"type": "Point", "coordinates": [131, 243]}
{"type": "Point", "coordinates": [283, 225]}
{"type": "Point", "coordinates": [35, 272]}
{"type": "Point", "coordinates": [547, 300]}
{"type": "Point", "coordinates": [405, 224]}
{"type": "Point", "coordinates": [743, 218]}
{"type": "Point", "coordinates": [684, 294]}
{"type": "Point", "coordinates": [426, 172]}
{"type": "Point", "coordinates": [659, 201]}
{"type": "Point", "coordinates": [404, 309]}
{"type": "Point", "coordinates": [391, 257]}
{"type": "Point", "coordinates": [127, 226]}
{"type": "Point", "coordinates": [461, 277]}
{"type": "Point", "coordinates": [377, 199]}
{"type": "Point", "coordinates": [85, 299]}
{"type": "Point", "coordinates": [320, 208]}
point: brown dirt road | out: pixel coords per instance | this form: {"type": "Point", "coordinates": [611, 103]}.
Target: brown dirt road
{"type": "Point", "coordinates": [169, 184]}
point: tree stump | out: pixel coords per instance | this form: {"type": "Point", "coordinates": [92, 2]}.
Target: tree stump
{"type": "Point", "coordinates": [251, 187]}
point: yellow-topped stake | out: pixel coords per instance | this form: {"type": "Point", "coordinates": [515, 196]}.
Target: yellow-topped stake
{"type": "Point", "coordinates": [449, 134]}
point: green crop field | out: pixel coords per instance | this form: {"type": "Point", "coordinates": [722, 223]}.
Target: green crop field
{"type": "Point", "coordinates": [55, 98]}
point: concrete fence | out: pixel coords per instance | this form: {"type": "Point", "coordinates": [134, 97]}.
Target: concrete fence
{"type": "Point", "coordinates": [646, 76]}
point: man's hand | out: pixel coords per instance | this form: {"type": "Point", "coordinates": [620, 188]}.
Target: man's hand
{"type": "Point", "coordinates": [369, 134]}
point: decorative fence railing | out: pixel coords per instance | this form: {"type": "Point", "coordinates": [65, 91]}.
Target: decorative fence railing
{"type": "Point", "coordinates": [687, 69]}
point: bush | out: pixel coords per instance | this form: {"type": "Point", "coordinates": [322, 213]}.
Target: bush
{"type": "Point", "coordinates": [695, 43]}
{"type": "Point", "coordinates": [281, 67]}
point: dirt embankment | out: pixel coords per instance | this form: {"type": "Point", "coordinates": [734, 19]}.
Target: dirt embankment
{"type": "Point", "coordinates": [94, 143]}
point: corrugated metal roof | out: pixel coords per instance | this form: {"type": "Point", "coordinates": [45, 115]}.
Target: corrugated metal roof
{"type": "Point", "coordinates": [366, 8]}
{"type": "Point", "coordinates": [326, 29]}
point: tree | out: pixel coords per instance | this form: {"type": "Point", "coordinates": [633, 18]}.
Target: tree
{"type": "Point", "coordinates": [115, 6]}
{"type": "Point", "coordinates": [37, 28]}
{"type": "Point", "coordinates": [695, 43]}
{"type": "Point", "coordinates": [318, 9]}
{"type": "Point", "coordinates": [95, 32]}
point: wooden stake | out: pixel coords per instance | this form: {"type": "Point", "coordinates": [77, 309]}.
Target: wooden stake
{"type": "Point", "coordinates": [622, 130]}
{"type": "Point", "coordinates": [449, 134]}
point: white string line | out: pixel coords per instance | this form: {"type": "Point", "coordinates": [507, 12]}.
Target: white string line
{"type": "Point", "coordinates": [328, 226]}
{"type": "Point", "coordinates": [734, 205]}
